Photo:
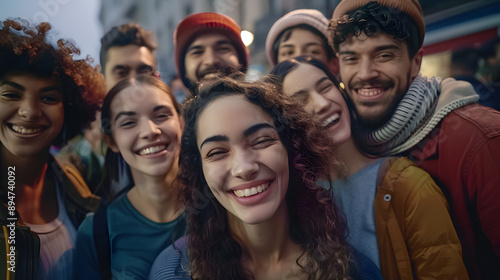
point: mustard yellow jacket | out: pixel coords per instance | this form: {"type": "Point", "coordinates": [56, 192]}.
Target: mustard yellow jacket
{"type": "Point", "coordinates": [416, 237]}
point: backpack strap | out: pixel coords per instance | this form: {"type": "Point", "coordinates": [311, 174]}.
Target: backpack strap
{"type": "Point", "coordinates": [102, 244]}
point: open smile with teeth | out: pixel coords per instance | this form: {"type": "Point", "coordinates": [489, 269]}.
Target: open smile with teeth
{"type": "Point", "coordinates": [25, 130]}
{"type": "Point", "coordinates": [333, 119]}
{"type": "Point", "coordinates": [252, 191]}
{"type": "Point", "coordinates": [369, 92]}
{"type": "Point", "coordinates": [152, 150]}
{"type": "Point", "coordinates": [210, 76]}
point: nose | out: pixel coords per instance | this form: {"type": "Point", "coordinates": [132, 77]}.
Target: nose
{"type": "Point", "coordinates": [149, 130]}
{"type": "Point", "coordinates": [210, 57]}
{"type": "Point", "coordinates": [367, 70]}
{"type": "Point", "coordinates": [319, 102]}
{"type": "Point", "coordinates": [30, 109]}
{"type": "Point", "coordinates": [244, 165]}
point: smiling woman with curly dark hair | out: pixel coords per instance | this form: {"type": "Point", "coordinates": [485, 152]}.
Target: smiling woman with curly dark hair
{"type": "Point", "coordinates": [250, 161]}
{"type": "Point", "coordinates": [46, 98]}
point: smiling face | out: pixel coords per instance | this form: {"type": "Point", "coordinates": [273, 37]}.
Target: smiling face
{"type": "Point", "coordinates": [377, 71]}
{"type": "Point", "coordinates": [244, 161]}
{"type": "Point", "coordinates": [302, 42]}
{"type": "Point", "coordinates": [321, 97]}
{"type": "Point", "coordinates": [209, 56]}
{"type": "Point", "coordinates": [31, 114]}
{"type": "Point", "coordinates": [146, 129]}
{"type": "Point", "coordinates": [127, 61]}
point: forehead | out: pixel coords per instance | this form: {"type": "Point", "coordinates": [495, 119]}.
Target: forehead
{"type": "Point", "coordinates": [230, 115]}
{"type": "Point", "coordinates": [302, 76]}
{"type": "Point", "coordinates": [209, 39]}
{"type": "Point", "coordinates": [130, 54]}
{"type": "Point", "coordinates": [135, 97]}
{"type": "Point", "coordinates": [369, 43]}
{"type": "Point", "coordinates": [28, 80]}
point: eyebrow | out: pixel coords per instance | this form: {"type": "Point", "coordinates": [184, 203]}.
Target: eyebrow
{"type": "Point", "coordinates": [124, 113]}
{"type": "Point", "coordinates": [215, 138]}
{"type": "Point", "coordinates": [321, 80]}
{"type": "Point", "coordinates": [306, 45]}
{"type": "Point", "coordinates": [217, 43]}
{"type": "Point", "coordinates": [131, 113]}
{"type": "Point", "coordinates": [119, 67]}
{"type": "Point", "coordinates": [20, 87]}
{"type": "Point", "coordinates": [377, 49]}
{"type": "Point", "coordinates": [256, 127]}
{"type": "Point", "coordinates": [249, 131]}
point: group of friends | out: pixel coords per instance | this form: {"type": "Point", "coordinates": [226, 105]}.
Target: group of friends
{"type": "Point", "coordinates": [343, 163]}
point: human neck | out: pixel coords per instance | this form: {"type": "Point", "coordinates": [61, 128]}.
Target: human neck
{"type": "Point", "coordinates": [27, 169]}
{"type": "Point", "coordinates": [156, 197]}
{"type": "Point", "coordinates": [35, 193]}
{"type": "Point", "coordinates": [267, 248]}
{"type": "Point", "coordinates": [353, 158]}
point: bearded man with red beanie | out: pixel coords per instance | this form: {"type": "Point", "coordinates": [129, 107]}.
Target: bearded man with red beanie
{"type": "Point", "coordinates": [435, 122]}
{"type": "Point", "coordinates": [208, 45]}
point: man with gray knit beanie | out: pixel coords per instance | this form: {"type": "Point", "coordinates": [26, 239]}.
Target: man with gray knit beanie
{"type": "Point", "coordinates": [436, 123]}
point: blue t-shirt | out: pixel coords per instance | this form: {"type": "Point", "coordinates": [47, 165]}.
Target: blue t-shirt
{"type": "Point", "coordinates": [355, 196]}
{"type": "Point", "coordinates": [135, 242]}
{"type": "Point", "coordinates": [173, 263]}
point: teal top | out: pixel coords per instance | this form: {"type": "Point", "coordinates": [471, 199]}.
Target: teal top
{"type": "Point", "coordinates": [135, 242]}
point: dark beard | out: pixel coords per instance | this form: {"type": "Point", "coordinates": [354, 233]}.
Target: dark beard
{"type": "Point", "coordinates": [223, 71]}
{"type": "Point", "coordinates": [374, 123]}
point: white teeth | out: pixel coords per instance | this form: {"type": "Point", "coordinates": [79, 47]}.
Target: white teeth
{"type": "Point", "coordinates": [369, 91]}
{"type": "Point", "coordinates": [24, 130]}
{"type": "Point", "coordinates": [331, 119]}
{"type": "Point", "coordinates": [151, 150]}
{"type": "Point", "coordinates": [251, 191]}
{"type": "Point", "coordinates": [210, 76]}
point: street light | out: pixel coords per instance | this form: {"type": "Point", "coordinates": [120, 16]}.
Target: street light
{"type": "Point", "coordinates": [247, 37]}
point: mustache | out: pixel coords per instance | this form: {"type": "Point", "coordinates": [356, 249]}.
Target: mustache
{"type": "Point", "coordinates": [372, 83]}
{"type": "Point", "coordinates": [222, 69]}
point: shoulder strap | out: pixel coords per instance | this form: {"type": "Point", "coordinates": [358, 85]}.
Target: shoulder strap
{"type": "Point", "coordinates": [102, 244]}
{"type": "Point", "coordinates": [78, 199]}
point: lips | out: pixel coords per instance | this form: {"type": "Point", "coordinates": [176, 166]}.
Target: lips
{"type": "Point", "coordinates": [25, 130]}
{"type": "Point", "coordinates": [370, 92]}
{"type": "Point", "coordinates": [332, 120]}
{"type": "Point", "coordinates": [152, 150]}
{"type": "Point", "coordinates": [251, 191]}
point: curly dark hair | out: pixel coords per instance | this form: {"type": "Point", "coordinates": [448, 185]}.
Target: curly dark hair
{"type": "Point", "coordinates": [372, 19]}
{"type": "Point", "coordinates": [315, 223]}
{"type": "Point", "coordinates": [123, 35]}
{"type": "Point", "coordinates": [24, 48]}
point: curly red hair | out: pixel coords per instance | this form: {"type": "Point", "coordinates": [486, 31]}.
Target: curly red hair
{"type": "Point", "coordinates": [24, 48]}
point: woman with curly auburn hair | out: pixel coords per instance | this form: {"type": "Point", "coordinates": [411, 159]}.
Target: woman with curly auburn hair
{"type": "Point", "coordinates": [46, 98]}
{"type": "Point", "coordinates": [250, 161]}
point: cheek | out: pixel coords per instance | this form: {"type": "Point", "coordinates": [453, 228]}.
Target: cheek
{"type": "Point", "coordinates": [232, 60]}
{"type": "Point", "coordinates": [214, 175]}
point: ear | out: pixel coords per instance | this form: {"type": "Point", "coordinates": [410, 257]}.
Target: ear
{"type": "Point", "coordinates": [111, 143]}
{"type": "Point", "coordinates": [181, 122]}
{"type": "Point", "coordinates": [416, 63]}
{"type": "Point", "coordinates": [157, 74]}
{"type": "Point", "coordinates": [333, 65]}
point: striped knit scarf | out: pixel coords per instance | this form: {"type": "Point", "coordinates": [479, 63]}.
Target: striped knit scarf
{"type": "Point", "coordinates": [421, 109]}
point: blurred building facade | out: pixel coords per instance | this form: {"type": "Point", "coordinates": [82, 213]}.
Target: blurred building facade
{"type": "Point", "coordinates": [162, 16]}
{"type": "Point", "coordinates": [446, 21]}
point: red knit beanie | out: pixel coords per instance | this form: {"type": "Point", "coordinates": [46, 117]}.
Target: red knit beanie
{"type": "Point", "coordinates": [410, 7]}
{"type": "Point", "coordinates": [196, 24]}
